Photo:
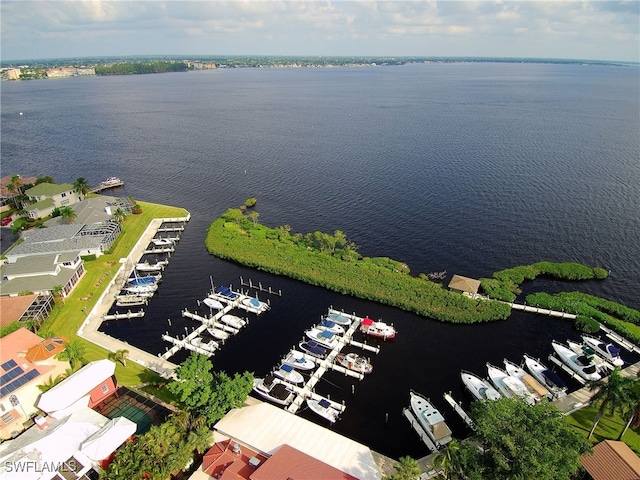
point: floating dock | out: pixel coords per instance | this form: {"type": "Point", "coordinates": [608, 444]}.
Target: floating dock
{"type": "Point", "coordinates": [623, 342]}
{"type": "Point", "coordinates": [107, 185]}
{"type": "Point", "coordinates": [418, 428]}
{"type": "Point", "coordinates": [121, 316]}
{"type": "Point", "coordinates": [159, 250]}
{"type": "Point", "coordinates": [459, 410]}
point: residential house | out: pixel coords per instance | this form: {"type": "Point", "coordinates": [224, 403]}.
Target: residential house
{"type": "Point", "coordinates": [26, 361]}
{"type": "Point", "coordinates": [611, 460]}
{"type": "Point", "coordinates": [25, 308]}
{"type": "Point", "coordinates": [41, 274]}
{"type": "Point", "coordinates": [45, 197]}
{"type": "Point", "coordinates": [5, 193]}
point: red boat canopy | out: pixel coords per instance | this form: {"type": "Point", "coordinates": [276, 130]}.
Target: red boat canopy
{"type": "Point", "coordinates": [366, 321]}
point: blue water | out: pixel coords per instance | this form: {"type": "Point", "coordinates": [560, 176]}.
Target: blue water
{"type": "Point", "coordinates": [465, 167]}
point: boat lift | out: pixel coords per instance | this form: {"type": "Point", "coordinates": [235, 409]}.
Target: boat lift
{"type": "Point", "coordinates": [573, 375]}
{"type": "Point", "coordinates": [458, 409]}
{"type": "Point", "coordinates": [419, 430]}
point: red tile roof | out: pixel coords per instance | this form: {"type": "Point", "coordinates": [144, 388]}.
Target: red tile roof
{"type": "Point", "coordinates": [12, 308]}
{"type": "Point", "coordinates": [223, 463]}
{"type": "Point", "coordinates": [612, 460]}
{"type": "Point", "coordinates": [291, 464]}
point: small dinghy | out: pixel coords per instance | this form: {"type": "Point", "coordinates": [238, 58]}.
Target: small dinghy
{"type": "Point", "coordinates": [323, 408]}
{"type": "Point", "coordinates": [213, 303]}
{"type": "Point", "coordinates": [288, 374]}
{"type": "Point", "coordinates": [299, 361]}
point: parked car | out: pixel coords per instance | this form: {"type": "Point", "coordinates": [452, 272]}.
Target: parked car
{"type": "Point", "coordinates": [6, 221]}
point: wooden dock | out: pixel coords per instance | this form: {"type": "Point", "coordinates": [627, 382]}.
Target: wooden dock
{"type": "Point", "coordinates": [541, 311]}
{"type": "Point", "coordinates": [259, 287]}
{"type": "Point", "coordinates": [106, 186]}
{"type": "Point", "coordinates": [121, 316]}
{"type": "Point", "coordinates": [623, 342]}
{"type": "Point", "coordinates": [459, 410]}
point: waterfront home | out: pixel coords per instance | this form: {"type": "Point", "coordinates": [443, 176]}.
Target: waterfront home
{"type": "Point", "coordinates": [611, 460]}
{"type": "Point", "coordinates": [6, 193]}
{"type": "Point", "coordinates": [40, 274]}
{"type": "Point", "coordinates": [26, 361]}
{"type": "Point", "coordinates": [24, 308]}
{"type": "Point", "coordinates": [45, 197]}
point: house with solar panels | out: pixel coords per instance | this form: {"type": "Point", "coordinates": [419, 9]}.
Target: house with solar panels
{"type": "Point", "coordinates": [26, 361]}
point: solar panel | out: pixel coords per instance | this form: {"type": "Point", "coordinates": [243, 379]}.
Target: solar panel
{"type": "Point", "coordinates": [10, 375]}
{"type": "Point", "coordinates": [18, 382]}
{"type": "Point", "coordinates": [8, 365]}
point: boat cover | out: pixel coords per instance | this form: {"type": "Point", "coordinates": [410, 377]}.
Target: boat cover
{"type": "Point", "coordinates": [326, 334]}
{"type": "Point", "coordinates": [255, 302]}
{"type": "Point", "coordinates": [534, 386]}
{"type": "Point", "coordinates": [313, 347]}
{"type": "Point", "coordinates": [339, 318]}
{"type": "Point", "coordinates": [324, 403]}
{"type": "Point", "coordinates": [226, 291]}
{"type": "Point", "coordinates": [613, 350]}
{"type": "Point", "coordinates": [286, 368]}
{"type": "Point", "coordinates": [327, 323]}
{"type": "Point", "coordinates": [367, 321]}
{"type": "Point", "coordinates": [554, 379]}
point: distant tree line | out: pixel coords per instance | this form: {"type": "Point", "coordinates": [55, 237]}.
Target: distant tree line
{"type": "Point", "coordinates": [132, 68]}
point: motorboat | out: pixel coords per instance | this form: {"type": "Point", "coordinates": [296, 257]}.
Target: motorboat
{"type": "Point", "coordinates": [151, 267]}
{"type": "Point", "coordinates": [535, 388]}
{"type": "Point", "coordinates": [430, 419]}
{"type": "Point", "coordinates": [608, 351]}
{"type": "Point", "coordinates": [583, 349]}
{"type": "Point", "coordinates": [288, 374]}
{"type": "Point", "coordinates": [162, 242]}
{"type": "Point", "coordinates": [377, 329]}
{"type": "Point", "coordinates": [339, 318]}
{"type": "Point", "coordinates": [354, 362]}
{"type": "Point", "coordinates": [313, 348]}
{"type": "Point", "coordinates": [299, 361]}
{"type": "Point", "coordinates": [233, 321]}
{"type": "Point", "coordinates": [330, 326]}
{"type": "Point", "coordinates": [213, 303]}
{"type": "Point", "coordinates": [479, 388]}
{"type": "Point", "coordinates": [145, 280]}
{"type": "Point", "coordinates": [273, 389]}
{"type": "Point", "coordinates": [254, 305]}
{"type": "Point", "coordinates": [509, 386]}
{"type": "Point", "coordinates": [323, 337]}
{"type": "Point", "coordinates": [546, 377]}
{"type": "Point", "coordinates": [141, 289]}
{"type": "Point", "coordinates": [130, 300]}
{"type": "Point", "coordinates": [580, 364]}
{"type": "Point", "coordinates": [217, 333]}
{"type": "Point", "coordinates": [111, 182]}
{"type": "Point", "coordinates": [226, 292]}
{"type": "Point", "coordinates": [323, 408]}
{"type": "Point", "coordinates": [206, 344]}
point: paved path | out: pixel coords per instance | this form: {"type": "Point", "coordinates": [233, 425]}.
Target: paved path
{"type": "Point", "coordinates": [89, 329]}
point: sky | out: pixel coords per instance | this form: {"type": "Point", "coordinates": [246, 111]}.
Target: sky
{"type": "Point", "coordinates": [566, 29]}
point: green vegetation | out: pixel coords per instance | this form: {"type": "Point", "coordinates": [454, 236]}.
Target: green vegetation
{"type": "Point", "coordinates": [505, 284]}
{"type": "Point", "coordinates": [517, 442]}
{"type": "Point", "coordinates": [332, 262]}
{"type": "Point", "coordinates": [407, 468]}
{"type": "Point", "coordinates": [131, 68]}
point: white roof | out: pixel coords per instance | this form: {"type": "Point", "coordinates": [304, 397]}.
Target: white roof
{"type": "Point", "coordinates": [71, 389]}
{"type": "Point", "coordinates": [105, 441]}
{"type": "Point", "coordinates": [266, 428]}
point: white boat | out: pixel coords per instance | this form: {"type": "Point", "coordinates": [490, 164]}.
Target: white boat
{"type": "Point", "coordinates": [111, 182]}
{"type": "Point", "coordinates": [217, 333]}
{"type": "Point", "coordinates": [212, 303]}
{"type": "Point", "coordinates": [535, 388]}
{"type": "Point", "coordinates": [323, 408]}
{"type": "Point", "coordinates": [339, 318]}
{"type": "Point", "coordinates": [608, 351]}
{"type": "Point", "coordinates": [144, 280]}
{"type": "Point", "coordinates": [583, 349]}
{"type": "Point", "coordinates": [313, 348]}
{"type": "Point", "coordinates": [141, 289]}
{"type": "Point", "coordinates": [130, 300]}
{"type": "Point", "coordinates": [299, 361]}
{"type": "Point", "coordinates": [431, 420]}
{"type": "Point", "coordinates": [254, 305]}
{"type": "Point", "coordinates": [206, 344]}
{"type": "Point", "coordinates": [479, 388]}
{"type": "Point", "coordinates": [273, 389]}
{"type": "Point", "coordinates": [151, 267]}
{"type": "Point", "coordinates": [162, 242]}
{"type": "Point", "coordinates": [288, 374]}
{"type": "Point", "coordinates": [377, 329]}
{"type": "Point", "coordinates": [322, 337]}
{"type": "Point", "coordinates": [233, 321]}
{"type": "Point", "coordinates": [578, 363]}
{"type": "Point", "coordinates": [546, 377]}
{"type": "Point", "coordinates": [330, 326]}
{"type": "Point", "coordinates": [509, 386]}
{"type": "Point", "coordinates": [354, 362]}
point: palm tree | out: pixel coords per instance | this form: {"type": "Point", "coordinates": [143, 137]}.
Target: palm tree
{"type": "Point", "coordinates": [57, 291]}
{"type": "Point", "coordinates": [120, 356]}
{"type": "Point", "coordinates": [614, 392]}
{"type": "Point", "coordinates": [68, 214]}
{"type": "Point", "coordinates": [632, 410]}
{"type": "Point", "coordinates": [449, 460]}
{"type": "Point", "coordinates": [119, 215]}
{"type": "Point", "coordinates": [82, 186]}
{"type": "Point", "coordinates": [74, 354]}
{"type": "Point", "coordinates": [407, 468]}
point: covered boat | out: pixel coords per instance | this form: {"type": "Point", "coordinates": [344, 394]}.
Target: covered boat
{"type": "Point", "coordinates": [608, 351]}
{"type": "Point", "coordinates": [580, 364]}
{"type": "Point", "coordinates": [299, 361]}
{"type": "Point", "coordinates": [323, 408]}
{"type": "Point", "coordinates": [146, 280]}
{"type": "Point", "coordinates": [546, 377]}
{"type": "Point", "coordinates": [226, 292]}
{"type": "Point", "coordinates": [313, 348]}
{"type": "Point", "coordinates": [217, 333]}
{"type": "Point", "coordinates": [377, 329]}
{"type": "Point", "coordinates": [162, 242]}
{"type": "Point", "coordinates": [509, 386]}
{"type": "Point", "coordinates": [273, 389]}
{"type": "Point", "coordinates": [323, 337]}
{"type": "Point", "coordinates": [287, 373]}
{"type": "Point", "coordinates": [354, 362]}
{"type": "Point", "coordinates": [233, 321]}
{"type": "Point", "coordinates": [206, 344]}
{"type": "Point", "coordinates": [535, 388]}
{"type": "Point", "coordinates": [151, 267]}
{"type": "Point", "coordinates": [331, 326]}
{"type": "Point", "coordinates": [213, 303]}
{"type": "Point", "coordinates": [339, 318]}
{"type": "Point", "coordinates": [430, 419]}
{"type": "Point", "coordinates": [141, 289]}
{"type": "Point", "coordinates": [479, 388]}
{"type": "Point", "coordinates": [130, 300]}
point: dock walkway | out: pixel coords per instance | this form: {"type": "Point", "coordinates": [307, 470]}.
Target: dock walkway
{"type": "Point", "coordinates": [89, 328]}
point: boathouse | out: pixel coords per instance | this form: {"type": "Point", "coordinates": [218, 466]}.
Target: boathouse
{"type": "Point", "coordinates": [466, 285]}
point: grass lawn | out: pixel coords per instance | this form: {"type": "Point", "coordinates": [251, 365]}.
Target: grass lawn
{"type": "Point", "coordinates": [69, 314]}
{"type": "Point", "coordinates": [608, 428]}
